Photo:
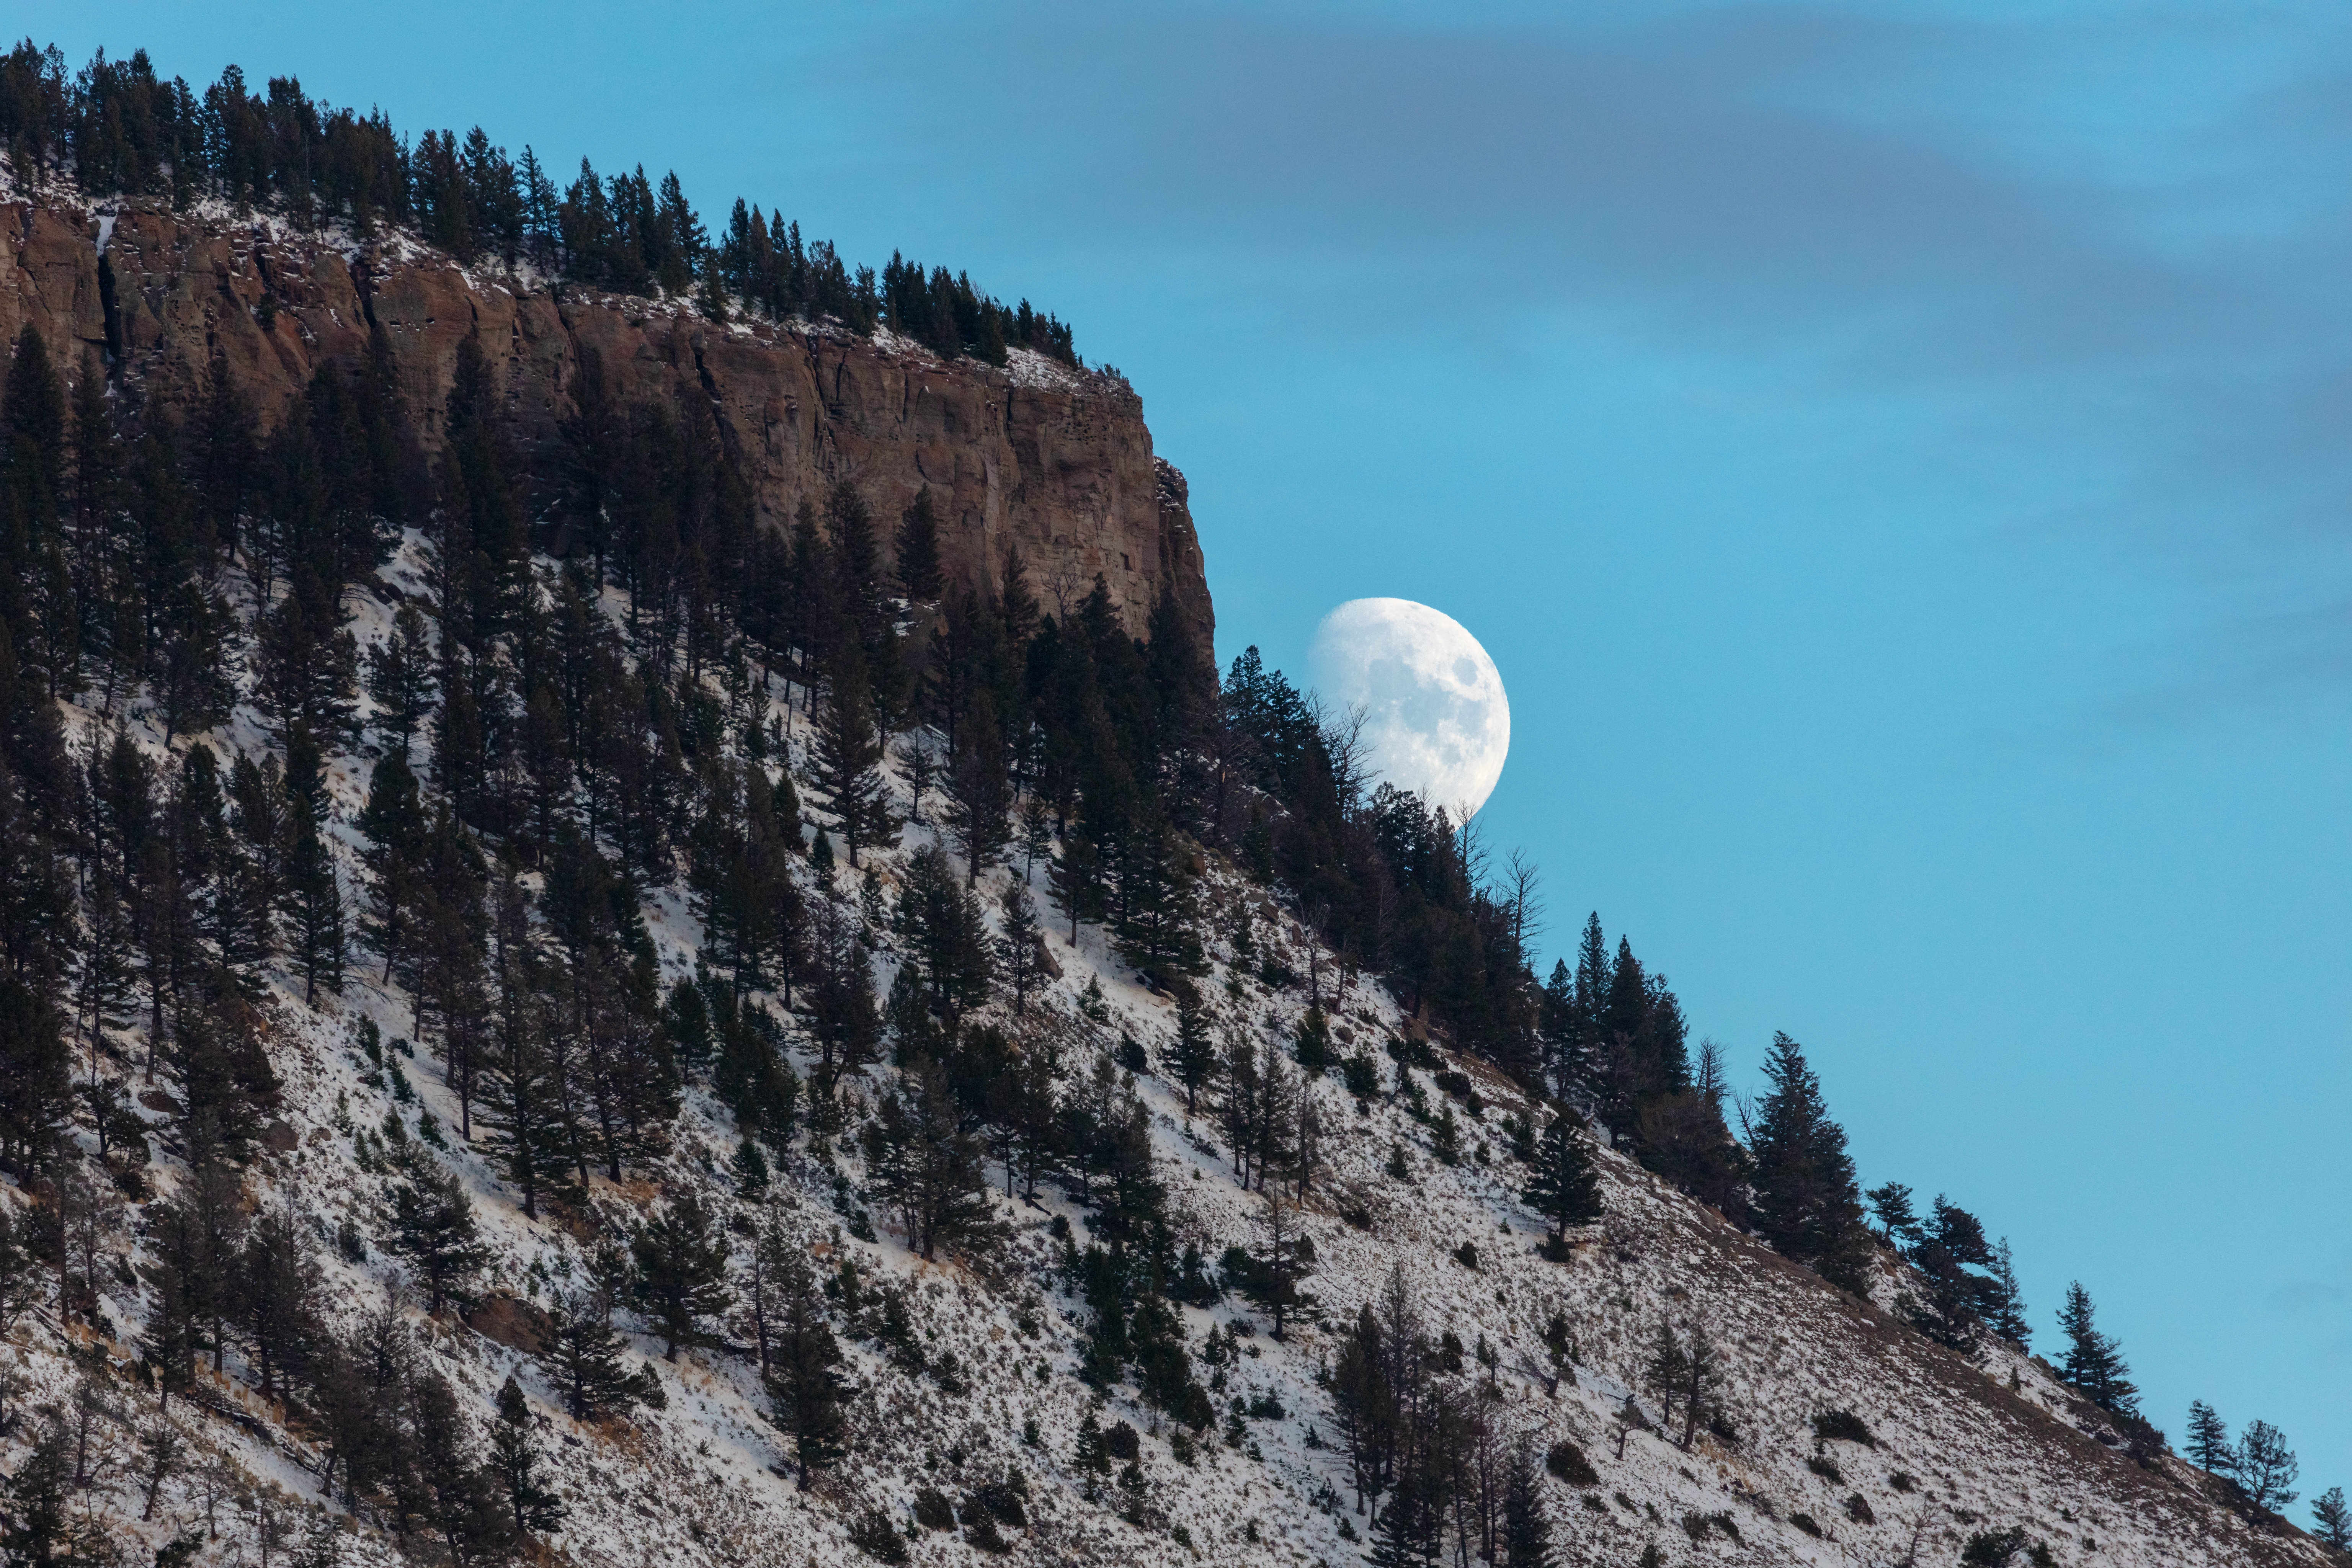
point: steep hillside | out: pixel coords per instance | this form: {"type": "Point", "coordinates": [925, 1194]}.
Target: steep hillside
{"type": "Point", "coordinates": [985, 1380]}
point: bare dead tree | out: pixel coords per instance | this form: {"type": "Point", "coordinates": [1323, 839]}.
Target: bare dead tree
{"type": "Point", "coordinates": [1710, 1077]}
{"type": "Point", "coordinates": [1470, 845]}
{"type": "Point", "coordinates": [1523, 897]}
{"type": "Point", "coordinates": [1342, 731]}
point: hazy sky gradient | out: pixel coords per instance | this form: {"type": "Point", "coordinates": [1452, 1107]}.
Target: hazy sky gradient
{"type": "Point", "coordinates": [1898, 460]}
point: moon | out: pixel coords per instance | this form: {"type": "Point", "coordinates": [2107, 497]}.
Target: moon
{"type": "Point", "coordinates": [1436, 721]}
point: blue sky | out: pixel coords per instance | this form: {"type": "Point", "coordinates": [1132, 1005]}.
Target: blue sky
{"type": "Point", "coordinates": [1897, 458]}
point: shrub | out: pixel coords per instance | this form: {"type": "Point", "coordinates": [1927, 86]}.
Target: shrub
{"type": "Point", "coordinates": [1901, 1480]}
{"type": "Point", "coordinates": [1567, 1461]}
{"type": "Point", "coordinates": [1001, 1502]}
{"type": "Point", "coordinates": [877, 1537]}
{"type": "Point", "coordinates": [1466, 1255]}
{"type": "Point", "coordinates": [1697, 1525]}
{"type": "Point", "coordinates": [1858, 1509]}
{"type": "Point", "coordinates": [1826, 1468]}
{"type": "Point", "coordinates": [1804, 1522]}
{"type": "Point", "coordinates": [1994, 1548]}
{"type": "Point", "coordinates": [1121, 1442]}
{"type": "Point", "coordinates": [1842, 1427]}
{"type": "Point", "coordinates": [983, 1533]}
{"type": "Point", "coordinates": [931, 1509]}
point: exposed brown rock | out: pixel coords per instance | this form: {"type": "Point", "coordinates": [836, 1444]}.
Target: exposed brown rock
{"type": "Point", "coordinates": [511, 1322]}
{"type": "Point", "coordinates": [1057, 462]}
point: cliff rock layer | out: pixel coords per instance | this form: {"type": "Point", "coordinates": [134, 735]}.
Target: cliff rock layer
{"type": "Point", "coordinates": [1056, 461]}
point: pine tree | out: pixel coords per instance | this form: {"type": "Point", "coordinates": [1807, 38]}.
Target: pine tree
{"type": "Point", "coordinates": [1703, 1376]}
{"type": "Point", "coordinates": [393, 823]}
{"type": "Point", "coordinates": [2004, 1298]}
{"type": "Point", "coordinates": [1036, 836]}
{"type": "Point", "coordinates": [523, 1110]}
{"type": "Point", "coordinates": [2331, 1520]}
{"type": "Point", "coordinates": [803, 1376]}
{"type": "Point", "coordinates": [1954, 1260]}
{"type": "Point", "coordinates": [1312, 1050]}
{"type": "Point", "coordinates": [1020, 950]}
{"type": "Point", "coordinates": [276, 1300]}
{"type": "Point", "coordinates": [2208, 1440]}
{"type": "Point", "coordinates": [1807, 1204]}
{"type": "Point", "coordinates": [1563, 1186]}
{"type": "Point", "coordinates": [1240, 1108]}
{"type": "Point", "coordinates": [32, 497]}
{"type": "Point", "coordinates": [1593, 974]}
{"type": "Point", "coordinates": [1077, 879]}
{"type": "Point", "coordinates": [847, 752]}
{"type": "Point", "coordinates": [978, 792]}
{"type": "Point", "coordinates": [514, 1465]}
{"type": "Point", "coordinates": [315, 903]}
{"type": "Point", "coordinates": [309, 665]}
{"type": "Point", "coordinates": [38, 1523]}
{"type": "Point", "coordinates": [433, 1228]}
{"type": "Point", "coordinates": [919, 549]}
{"type": "Point", "coordinates": [584, 1355]}
{"type": "Point", "coordinates": [681, 1272]}
{"type": "Point", "coordinates": [1270, 1279]}
{"type": "Point", "coordinates": [1410, 1532]}
{"type": "Point", "coordinates": [401, 675]}
{"type": "Point", "coordinates": [928, 1167]}
{"type": "Point", "coordinates": [1890, 1205]}
{"type": "Point", "coordinates": [35, 1087]}
{"type": "Point", "coordinates": [2266, 1468]}
{"type": "Point", "coordinates": [2094, 1362]}
{"type": "Point", "coordinates": [1665, 1370]}
{"type": "Point", "coordinates": [1157, 900]}
{"type": "Point", "coordinates": [458, 1499]}
{"type": "Point", "coordinates": [1192, 1056]}
{"type": "Point", "coordinates": [1033, 1120]}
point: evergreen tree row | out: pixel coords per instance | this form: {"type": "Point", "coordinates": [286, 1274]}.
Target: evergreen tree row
{"type": "Point", "coordinates": [117, 127]}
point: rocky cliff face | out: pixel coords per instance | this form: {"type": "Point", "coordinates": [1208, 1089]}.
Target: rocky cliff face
{"type": "Point", "coordinates": [1056, 461]}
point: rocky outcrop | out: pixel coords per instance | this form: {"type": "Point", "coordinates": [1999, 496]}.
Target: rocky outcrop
{"type": "Point", "coordinates": [1056, 461]}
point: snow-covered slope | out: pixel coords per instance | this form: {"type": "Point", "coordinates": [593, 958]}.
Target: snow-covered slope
{"type": "Point", "coordinates": [1960, 1448]}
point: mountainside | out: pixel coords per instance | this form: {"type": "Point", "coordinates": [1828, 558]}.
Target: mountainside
{"type": "Point", "coordinates": [1040, 455]}
{"type": "Point", "coordinates": [1944, 1451]}
{"type": "Point", "coordinates": [558, 1005]}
